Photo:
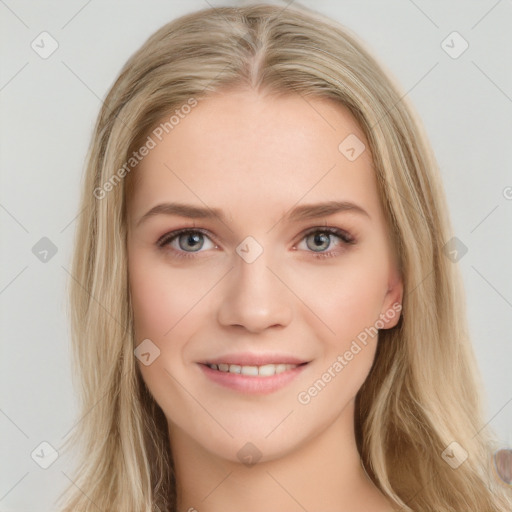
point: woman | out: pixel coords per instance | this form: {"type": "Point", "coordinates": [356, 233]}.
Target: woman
{"type": "Point", "coordinates": [264, 315]}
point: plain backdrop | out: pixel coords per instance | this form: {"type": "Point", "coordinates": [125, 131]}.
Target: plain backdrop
{"type": "Point", "coordinates": [48, 108]}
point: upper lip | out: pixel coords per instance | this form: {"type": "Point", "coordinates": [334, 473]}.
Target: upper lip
{"type": "Point", "coordinates": [251, 359]}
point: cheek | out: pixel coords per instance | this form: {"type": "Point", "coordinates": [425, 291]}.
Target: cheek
{"type": "Point", "coordinates": [154, 305]}
{"type": "Point", "coordinates": [164, 305]}
{"type": "Point", "coordinates": [169, 307]}
{"type": "Point", "coordinates": [348, 301]}
{"type": "Point", "coordinates": [346, 298]}
{"type": "Point", "coordinates": [162, 298]}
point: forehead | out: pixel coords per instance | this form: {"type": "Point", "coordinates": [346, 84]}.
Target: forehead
{"type": "Point", "coordinates": [241, 148]}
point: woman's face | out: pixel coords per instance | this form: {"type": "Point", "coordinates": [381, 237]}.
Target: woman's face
{"type": "Point", "coordinates": [282, 279]}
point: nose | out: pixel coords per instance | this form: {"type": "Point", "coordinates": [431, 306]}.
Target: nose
{"type": "Point", "coordinates": [254, 298]}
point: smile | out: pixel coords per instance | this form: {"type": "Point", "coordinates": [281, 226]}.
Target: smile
{"type": "Point", "coordinates": [251, 377]}
{"type": "Point", "coordinates": [266, 370]}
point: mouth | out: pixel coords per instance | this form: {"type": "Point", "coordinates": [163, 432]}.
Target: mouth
{"type": "Point", "coordinates": [253, 374]}
{"type": "Point", "coordinates": [266, 370]}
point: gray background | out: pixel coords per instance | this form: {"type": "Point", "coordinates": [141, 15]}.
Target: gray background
{"type": "Point", "coordinates": [48, 107]}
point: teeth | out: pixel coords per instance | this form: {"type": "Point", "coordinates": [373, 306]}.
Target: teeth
{"type": "Point", "coordinates": [266, 370]}
{"type": "Point", "coordinates": [249, 370]}
{"type": "Point", "coordinates": [281, 368]}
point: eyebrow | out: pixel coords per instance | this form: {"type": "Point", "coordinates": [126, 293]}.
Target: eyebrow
{"type": "Point", "coordinates": [302, 212]}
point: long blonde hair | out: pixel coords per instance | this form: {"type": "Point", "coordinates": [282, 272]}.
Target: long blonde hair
{"type": "Point", "coordinates": [422, 393]}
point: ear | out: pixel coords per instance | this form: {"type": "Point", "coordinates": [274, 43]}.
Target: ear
{"type": "Point", "coordinates": [392, 304]}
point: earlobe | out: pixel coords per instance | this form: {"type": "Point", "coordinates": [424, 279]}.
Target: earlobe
{"type": "Point", "coordinates": [392, 306]}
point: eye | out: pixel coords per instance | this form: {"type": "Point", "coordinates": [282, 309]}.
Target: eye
{"type": "Point", "coordinates": [184, 243]}
{"type": "Point", "coordinates": [319, 240]}
{"type": "Point", "coordinates": [186, 240]}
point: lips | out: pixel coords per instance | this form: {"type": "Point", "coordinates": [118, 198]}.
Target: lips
{"type": "Point", "coordinates": [266, 370]}
{"type": "Point", "coordinates": [253, 359]}
{"type": "Point", "coordinates": [253, 373]}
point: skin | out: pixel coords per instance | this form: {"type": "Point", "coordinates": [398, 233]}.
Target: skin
{"type": "Point", "coordinates": [255, 157]}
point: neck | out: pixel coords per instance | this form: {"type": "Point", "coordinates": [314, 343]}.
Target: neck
{"type": "Point", "coordinates": [324, 473]}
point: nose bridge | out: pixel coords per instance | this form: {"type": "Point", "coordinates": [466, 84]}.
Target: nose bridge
{"type": "Point", "coordinates": [255, 298]}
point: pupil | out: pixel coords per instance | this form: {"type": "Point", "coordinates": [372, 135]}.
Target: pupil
{"type": "Point", "coordinates": [321, 241]}
{"type": "Point", "coordinates": [193, 241]}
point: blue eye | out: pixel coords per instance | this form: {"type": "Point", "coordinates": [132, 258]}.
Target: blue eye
{"type": "Point", "coordinates": [319, 240]}
{"type": "Point", "coordinates": [184, 243]}
{"type": "Point", "coordinates": [187, 241]}
{"type": "Point", "coordinates": [190, 241]}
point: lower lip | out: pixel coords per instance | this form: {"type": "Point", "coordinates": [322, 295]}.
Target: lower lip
{"type": "Point", "coordinates": [252, 385]}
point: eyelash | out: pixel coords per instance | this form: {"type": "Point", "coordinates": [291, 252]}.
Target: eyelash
{"type": "Point", "coordinates": [345, 238]}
